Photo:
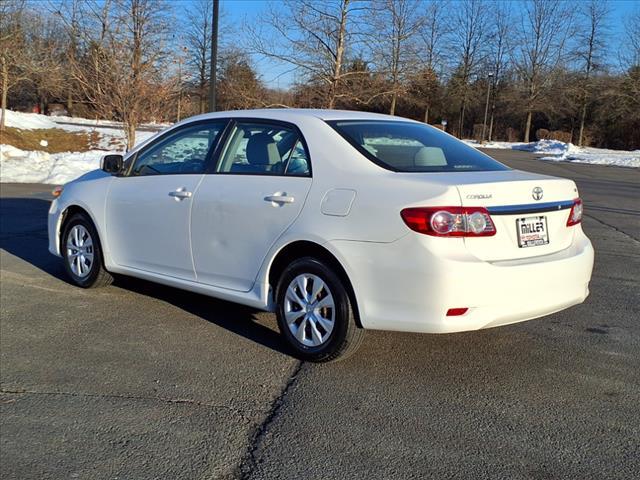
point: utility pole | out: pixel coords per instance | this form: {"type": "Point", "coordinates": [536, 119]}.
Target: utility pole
{"type": "Point", "coordinates": [486, 107]}
{"type": "Point", "coordinates": [214, 56]}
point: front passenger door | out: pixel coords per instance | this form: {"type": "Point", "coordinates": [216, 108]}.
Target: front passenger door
{"type": "Point", "coordinates": [148, 210]}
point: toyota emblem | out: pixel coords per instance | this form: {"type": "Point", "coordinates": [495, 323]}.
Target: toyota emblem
{"type": "Point", "coordinates": [537, 193]}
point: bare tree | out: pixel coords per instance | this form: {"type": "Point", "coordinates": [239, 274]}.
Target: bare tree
{"type": "Point", "coordinates": [542, 35]}
{"type": "Point", "coordinates": [395, 26]}
{"type": "Point", "coordinates": [499, 50]}
{"type": "Point", "coordinates": [468, 41]}
{"type": "Point", "coordinates": [631, 55]}
{"type": "Point", "coordinates": [590, 50]}
{"type": "Point", "coordinates": [70, 10]}
{"type": "Point", "coordinates": [432, 38]}
{"type": "Point", "coordinates": [11, 50]}
{"type": "Point", "coordinates": [44, 56]}
{"type": "Point", "coordinates": [122, 71]}
{"type": "Point", "coordinates": [312, 38]}
{"type": "Point", "coordinates": [239, 86]}
{"type": "Point", "coordinates": [198, 42]}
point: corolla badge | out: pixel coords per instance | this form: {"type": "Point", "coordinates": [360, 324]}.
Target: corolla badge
{"type": "Point", "coordinates": [537, 193]}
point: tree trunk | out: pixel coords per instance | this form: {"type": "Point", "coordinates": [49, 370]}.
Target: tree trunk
{"type": "Point", "coordinates": [202, 104]}
{"type": "Point", "coordinates": [337, 66]}
{"type": "Point", "coordinates": [5, 87]}
{"type": "Point", "coordinates": [582, 118]}
{"type": "Point", "coordinates": [491, 126]}
{"type": "Point", "coordinates": [69, 101]}
{"type": "Point", "coordinates": [463, 107]}
{"type": "Point", "coordinates": [394, 99]}
{"type": "Point", "coordinates": [332, 98]}
{"type": "Point", "coordinates": [130, 129]}
{"type": "Point", "coordinates": [527, 127]}
{"type": "Point", "coordinates": [426, 115]}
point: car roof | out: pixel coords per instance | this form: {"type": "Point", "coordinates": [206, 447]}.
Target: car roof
{"type": "Point", "coordinates": [292, 114]}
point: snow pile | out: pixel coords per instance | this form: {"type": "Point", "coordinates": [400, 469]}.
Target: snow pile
{"type": "Point", "coordinates": [555, 150]}
{"type": "Point", "coordinates": [41, 167]}
{"type": "Point", "coordinates": [28, 121]}
{"type": "Point", "coordinates": [596, 156]}
{"type": "Point", "coordinates": [496, 145]}
{"type": "Point", "coordinates": [551, 147]}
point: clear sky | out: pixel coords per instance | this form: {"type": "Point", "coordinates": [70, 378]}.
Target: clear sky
{"type": "Point", "coordinates": [235, 11]}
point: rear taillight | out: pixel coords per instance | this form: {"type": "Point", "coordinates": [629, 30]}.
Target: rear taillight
{"type": "Point", "coordinates": [575, 215]}
{"type": "Point", "coordinates": [456, 312]}
{"type": "Point", "coordinates": [450, 221]}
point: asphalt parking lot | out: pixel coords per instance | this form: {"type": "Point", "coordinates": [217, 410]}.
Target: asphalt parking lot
{"type": "Point", "coordinates": [139, 381]}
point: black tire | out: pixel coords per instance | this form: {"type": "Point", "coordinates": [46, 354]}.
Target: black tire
{"type": "Point", "coordinates": [345, 337]}
{"type": "Point", "coordinates": [97, 276]}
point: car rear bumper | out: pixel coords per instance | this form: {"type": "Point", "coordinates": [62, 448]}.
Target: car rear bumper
{"type": "Point", "coordinates": [410, 284]}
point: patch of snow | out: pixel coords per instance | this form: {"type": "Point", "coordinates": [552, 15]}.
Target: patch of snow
{"type": "Point", "coordinates": [553, 150]}
{"type": "Point", "coordinates": [41, 167]}
{"type": "Point", "coordinates": [111, 136]}
{"type": "Point", "coordinates": [111, 139]}
{"type": "Point", "coordinates": [551, 147]}
{"type": "Point", "coordinates": [98, 122]}
{"type": "Point", "coordinates": [28, 121]}
{"type": "Point", "coordinates": [496, 145]}
{"type": "Point", "coordinates": [597, 156]}
{"type": "Point", "coordinates": [31, 121]}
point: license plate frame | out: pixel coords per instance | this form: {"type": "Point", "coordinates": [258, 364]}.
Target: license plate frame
{"type": "Point", "coordinates": [536, 232]}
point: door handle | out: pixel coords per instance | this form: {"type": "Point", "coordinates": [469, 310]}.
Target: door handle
{"type": "Point", "coordinates": [279, 198]}
{"type": "Point", "coordinates": [180, 194]}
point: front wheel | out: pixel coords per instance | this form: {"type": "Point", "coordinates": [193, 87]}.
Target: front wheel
{"type": "Point", "coordinates": [315, 313]}
{"type": "Point", "coordinates": [82, 254]}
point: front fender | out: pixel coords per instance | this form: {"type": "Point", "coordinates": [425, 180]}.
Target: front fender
{"type": "Point", "coordinates": [88, 194]}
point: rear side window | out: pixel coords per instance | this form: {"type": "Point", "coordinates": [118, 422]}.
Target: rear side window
{"type": "Point", "coordinates": [264, 149]}
{"type": "Point", "coordinates": [412, 147]}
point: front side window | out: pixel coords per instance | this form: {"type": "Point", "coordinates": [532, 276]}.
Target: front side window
{"type": "Point", "coordinates": [413, 147]}
{"type": "Point", "coordinates": [184, 151]}
{"type": "Point", "coordinates": [263, 149]}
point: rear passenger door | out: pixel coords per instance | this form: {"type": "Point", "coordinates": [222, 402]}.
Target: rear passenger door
{"type": "Point", "coordinates": [257, 190]}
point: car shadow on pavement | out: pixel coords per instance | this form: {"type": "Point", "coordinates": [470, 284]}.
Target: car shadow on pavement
{"type": "Point", "coordinates": [238, 319]}
{"type": "Point", "coordinates": [23, 233]}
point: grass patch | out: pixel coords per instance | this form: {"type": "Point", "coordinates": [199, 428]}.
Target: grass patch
{"type": "Point", "coordinates": [58, 140]}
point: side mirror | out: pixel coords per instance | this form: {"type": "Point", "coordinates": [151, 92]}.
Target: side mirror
{"type": "Point", "coordinates": [112, 163]}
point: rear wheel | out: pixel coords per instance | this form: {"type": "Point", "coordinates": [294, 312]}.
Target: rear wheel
{"type": "Point", "coordinates": [82, 254]}
{"type": "Point", "coordinates": [315, 313]}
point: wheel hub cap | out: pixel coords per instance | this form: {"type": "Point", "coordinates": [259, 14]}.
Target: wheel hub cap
{"type": "Point", "coordinates": [79, 251]}
{"type": "Point", "coordinates": [309, 310]}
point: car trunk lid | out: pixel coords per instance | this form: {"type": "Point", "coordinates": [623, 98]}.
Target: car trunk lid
{"type": "Point", "coordinates": [529, 211]}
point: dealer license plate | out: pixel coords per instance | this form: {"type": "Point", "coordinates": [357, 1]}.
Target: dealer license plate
{"type": "Point", "coordinates": [532, 231]}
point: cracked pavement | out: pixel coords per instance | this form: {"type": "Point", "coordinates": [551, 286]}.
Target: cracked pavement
{"type": "Point", "coordinates": [140, 381]}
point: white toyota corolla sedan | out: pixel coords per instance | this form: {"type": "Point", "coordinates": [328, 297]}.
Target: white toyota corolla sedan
{"type": "Point", "coordinates": [337, 221]}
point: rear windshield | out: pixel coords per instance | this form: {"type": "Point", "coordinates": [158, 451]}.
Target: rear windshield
{"type": "Point", "coordinates": [412, 147]}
